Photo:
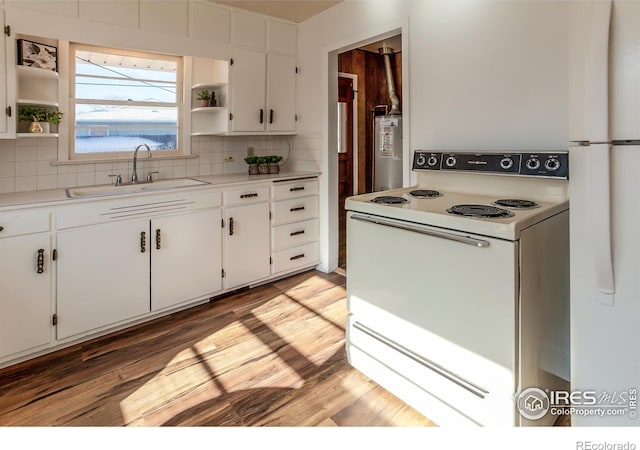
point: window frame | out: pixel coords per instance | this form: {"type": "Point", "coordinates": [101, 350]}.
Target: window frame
{"type": "Point", "coordinates": [180, 151]}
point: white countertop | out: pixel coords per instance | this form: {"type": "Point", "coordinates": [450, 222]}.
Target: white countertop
{"type": "Point", "coordinates": [58, 196]}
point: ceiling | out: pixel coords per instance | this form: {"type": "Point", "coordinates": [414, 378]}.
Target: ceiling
{"type": "Point", "coordinates": [293, 10]}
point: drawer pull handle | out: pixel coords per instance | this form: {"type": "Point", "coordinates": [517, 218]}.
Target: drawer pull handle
{"type": "Point", "coordinates": [293, 258]}
{"type": "Point", "coordinates": [299, 208]}
{"type": "Point", "coordinates": [158, 239]}
{"type": "Point", "coordinates": [297, 233]}
{"type": "Point", "coordinates": [143, 242]}
{"type": "Point", "coordinates": [231, 226]}
{"type": "Point", "coordinates": [294, 189]}
{"type": "Point", "coordinates": [40, 261]}
{"type": "Point", "coordinates": [255, 194]}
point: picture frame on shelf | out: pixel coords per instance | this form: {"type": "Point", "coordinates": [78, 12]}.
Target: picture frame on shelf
{"type": "Point", "coordinates": [35, 54]}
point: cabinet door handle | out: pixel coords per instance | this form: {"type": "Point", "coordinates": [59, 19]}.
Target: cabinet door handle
{"type": "Point", "coordinates": [143, 242]}
{"type": "Point", "coordinates": [261, 115]}
{"type": "Point", "coordinates": [299, 208]}
{"type": "Point", "coordinates": [158, 246]}
{"type": "Point", "coordinates": [297, 233]}
{"type": "Point", "coordinates": [40, 261]}
{"type": "Point", "coordinates": [254, 194]}
{"type": "Point", "coordinates": [230, 226]}
{"type": "Point", "coordinates": [271, 116]}
{"type": "Point", "coordinates": [293, 258]}
{"type": "Point", "coordinates": [295, 189]}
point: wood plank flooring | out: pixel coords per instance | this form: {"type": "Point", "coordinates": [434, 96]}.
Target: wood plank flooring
{"type": "Point", "coordinates": [269, 356]}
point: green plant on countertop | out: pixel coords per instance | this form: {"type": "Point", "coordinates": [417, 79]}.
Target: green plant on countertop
{"type": "Point", "coordinates": [261, 159]}
{"type": "Point", "coordinates": [204, 95]}
{"type": "Point", "coordinates": [274, 159]}
{"type": "Point", "coordinates": [250, 159]}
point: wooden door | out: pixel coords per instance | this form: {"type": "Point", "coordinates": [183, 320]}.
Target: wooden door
{"type": "Point", "coordinates": [345, 165]}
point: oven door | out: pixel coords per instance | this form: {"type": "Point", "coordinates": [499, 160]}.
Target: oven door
{"type": "Point", "coordinates": [438, 307]}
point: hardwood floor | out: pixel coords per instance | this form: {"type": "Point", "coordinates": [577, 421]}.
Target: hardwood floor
{"type": "Point", "coordinates": [270, 356]}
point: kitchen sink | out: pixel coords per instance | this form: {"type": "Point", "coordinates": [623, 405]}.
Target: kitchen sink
{"type": "Point", "coordinates": [105, 190]}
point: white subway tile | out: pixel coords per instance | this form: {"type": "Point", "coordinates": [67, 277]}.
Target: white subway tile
{"type": "Point", "coordinates": [26, 153]}
{"type": "Point", "coordinates": [85, 168]}
{"type": "Point", "coordinates": [7, 154]}
{"type": "Point", "coordinates": [205, 170]}
{"type": "Point", "coordinates": [45, 168]}
{"type": "Point", "coordinates": [180, 172]}
{"type": "Point", "coordinates": [25, 184]}
{"type": "Point", "coordinates": [47, 182]}
{"type": "Point", "coordinates": [25, 168]}
{"type": "Point", "coordinates": [66, 180]}
{"type": "Point", "coordinates": [47, 153]}
{"type": "Point", "coordinates": [7, 185]}
{"type": "Point", "coordinates": [7, 170]}
{"type": "Point", "coordinates": [86, 178]}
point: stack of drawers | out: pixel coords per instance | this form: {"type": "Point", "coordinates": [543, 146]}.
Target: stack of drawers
{"type": "Point", "coordinates": [294, 225]}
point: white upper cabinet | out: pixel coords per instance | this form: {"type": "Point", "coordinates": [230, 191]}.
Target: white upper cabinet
{"type": "Point", "coordinates": [282, 38]}
{"type": "Point", "coordinates": [112, 12]}
{"type": "Point", "coordinates": [281, 88]}
{"type": "Point", "coordinates": [248, 90]}
{"type": "Point", "coordinates": [68, 8]}
{"type": "Point", "coordinates": [209, 22]}
{"type": "Point", "coordinates": [7, 121]}
{"type": "Point", "coordinates": [165, 16]}
{"type": "Point", "coordinates": [248, 30]}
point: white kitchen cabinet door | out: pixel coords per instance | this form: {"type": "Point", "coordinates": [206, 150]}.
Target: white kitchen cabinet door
{"type": "Point", "coordinates": [246, 244]}
{"type": "Point", "coordinates": [25, 294]}
{"type": "Point", "coordinates": [248, 87]}
{"type": "Point", "coordinates": [103, 276]}
{"type": "Point", "coordinates": [282, 37]}
{"type": "Point", "coordinates": [186, 258]}
{"type": "Point", "coordinates": [7, 88]}
{"type": "Point", "coordinates": [281, 91]}
{"type": "Point", "coordinates": [248, 30]}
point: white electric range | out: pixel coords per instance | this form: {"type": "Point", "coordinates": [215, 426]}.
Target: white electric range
{"type": "Point", "coordinates": [458, 287]}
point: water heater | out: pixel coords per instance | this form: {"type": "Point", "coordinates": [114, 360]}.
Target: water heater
{"type": "Point", "coordinates": [387, 166]}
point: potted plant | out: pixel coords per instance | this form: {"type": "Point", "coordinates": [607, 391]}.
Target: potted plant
{"type": "Point", "coordinates": [253, 164]}
{"type": "Point", "coordinates": [263, 167]}
{"type": "Point", "coordinates": [204, 96]}
{"type": "Point", "coordinates": [52, 116]}
{"type": "Point", "coordinates": [36, 116]}
{"type": "Point", "coordinates": [273, 161]}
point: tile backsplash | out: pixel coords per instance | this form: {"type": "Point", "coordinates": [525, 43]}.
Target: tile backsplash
{"type": "Point", "coordinates": [26, 164]}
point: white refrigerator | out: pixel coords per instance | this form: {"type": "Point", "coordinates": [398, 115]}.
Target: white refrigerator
{"type": "Point", "coordinates": [604, 187]}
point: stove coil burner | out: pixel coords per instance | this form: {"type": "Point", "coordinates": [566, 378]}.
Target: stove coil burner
{"type": "Point", "coordinates": [425, 193]}
{"type": "Point", "coordinates": [479, 211]}
{"type": "Point", "coordinates": [516, 203]}
{"type": "Point", "coordinates": [389, 200]}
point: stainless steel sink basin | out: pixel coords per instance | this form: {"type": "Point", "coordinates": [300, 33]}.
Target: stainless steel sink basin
{"type": "Point", "coordinates": [105, 190]}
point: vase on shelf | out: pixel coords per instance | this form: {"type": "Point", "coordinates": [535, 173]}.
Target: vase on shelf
{"type": "Point", "coordinates": [35, 127]}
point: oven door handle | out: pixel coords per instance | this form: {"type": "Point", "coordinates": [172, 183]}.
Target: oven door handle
{"type": "Point", "coordinates": [417, 229]}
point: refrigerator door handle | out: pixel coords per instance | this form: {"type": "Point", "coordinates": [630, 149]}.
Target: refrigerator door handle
{"type": "Point", "coordinates": [601, 222]}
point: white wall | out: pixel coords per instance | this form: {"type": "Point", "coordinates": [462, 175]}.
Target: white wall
{"type": "Point", "coordinates": [482, 75]}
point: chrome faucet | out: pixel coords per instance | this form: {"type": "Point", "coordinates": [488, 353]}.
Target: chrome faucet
{"type": "Point", "coordinates": [134, 176]}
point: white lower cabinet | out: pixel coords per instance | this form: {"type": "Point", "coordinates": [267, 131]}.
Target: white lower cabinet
{"type": "Point", "coordinates": [25, 293]}
{"type": "Point", "coordinates": [246, 244]}
{"type": "Point", "coordinates": [294, 231]}
{"type": "Point", "coordinates": [186, 258]}
{"type": "Point", "coordinates": [103, 275]}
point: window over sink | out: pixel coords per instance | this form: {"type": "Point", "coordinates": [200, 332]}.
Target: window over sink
{"type": "Point", "coordinates": [120, 99]}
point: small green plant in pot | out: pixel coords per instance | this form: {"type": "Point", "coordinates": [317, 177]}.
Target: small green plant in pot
{"type": "Point", "coordinates": [53, 117]}
{"type": "Point", "coordinates": [253, 164]}
{"type": "Point", "coordinates": [263, 166]}
{"type": "Point", "coordinates": [34, 116]}
{"type": "Point", "coordinates": [273, 161]}
{"type": "Point", "coordinates": [204, 96]}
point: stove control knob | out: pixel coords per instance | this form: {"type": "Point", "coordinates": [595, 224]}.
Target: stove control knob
{"type": "Point", "coordinates": [420, 159]}
{"type": "Point", "coordinates": [451, 161]}
{"type": "Point", "coordinates": [533, 163]}
{"type": "Point", "coordinates": [432, 161]}
{"type": "Point", "coordinates": [552, 164]}
{"type": "Point", "coordinates": [506, 163]}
